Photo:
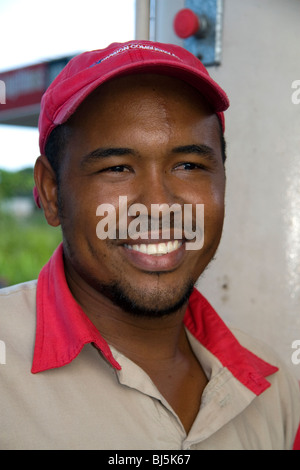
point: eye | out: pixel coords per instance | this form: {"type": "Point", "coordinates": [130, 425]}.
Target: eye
{"type": "Point", "coordinates": [116, 169]}
{"type": "Point", "coordinates": [189, 166]}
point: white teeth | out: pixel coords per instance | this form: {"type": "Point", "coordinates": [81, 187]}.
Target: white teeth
{"type": "Point", "coordinates": [157, 249]}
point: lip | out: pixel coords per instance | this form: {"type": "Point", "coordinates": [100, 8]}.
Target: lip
{"type": "Point", "coordinates": [154, 262]}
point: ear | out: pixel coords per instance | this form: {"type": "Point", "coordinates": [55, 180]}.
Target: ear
{"type": "Point", "coordinates": [46, 184]}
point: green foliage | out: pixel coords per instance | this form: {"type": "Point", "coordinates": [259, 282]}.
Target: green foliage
{"type": "Point", "coordinates": [25, 246]}
{"type": "Point", "coordinates": [26, 243]}
{"type": "Point", "coordinates": [18, 183]}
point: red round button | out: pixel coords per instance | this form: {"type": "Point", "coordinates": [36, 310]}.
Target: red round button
{"type": "Point", "coordinates": [186, 23]}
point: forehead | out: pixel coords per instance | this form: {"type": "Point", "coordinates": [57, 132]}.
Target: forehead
{"type": "Point", "coordinates": [145, 112]}
{"type": "Point", "coordinates": [143, 91]}
{"type": "Point", "coordinates": [138, 109]}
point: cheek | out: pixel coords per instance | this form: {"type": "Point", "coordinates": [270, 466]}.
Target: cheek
{"type": "Point", "coordinates": [211, 193]}
{"type": "Point", "coordinates": [215, 207]}
{"type": "Point", "coordinates": [214, 212]}
{"type": "Point", "coordinates": [80, 200]}
{"type": "Point", "coordinates": [77, 214]}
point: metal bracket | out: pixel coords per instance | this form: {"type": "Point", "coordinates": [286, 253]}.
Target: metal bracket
{"type": "Point", "coordinates": [209, 48]}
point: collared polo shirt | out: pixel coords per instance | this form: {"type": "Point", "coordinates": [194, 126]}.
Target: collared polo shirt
{"type": "Point", "coordinates": [64, 387]}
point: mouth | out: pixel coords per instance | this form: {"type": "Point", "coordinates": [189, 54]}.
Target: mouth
{"type": "Point", "coordinates": [156, 249]}
{"type": "Point", "coordinates": [155, 257]}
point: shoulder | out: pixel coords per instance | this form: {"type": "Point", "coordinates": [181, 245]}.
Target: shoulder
{"type": "Point", "coordinates": [18, 291]}
{"type": "Point", "coordinates": [17, 300]}
{"type": "Point", "coordinates": [17, 328]}
{"type": "Point", "coordinates": [264, 351]}
{"type": "Point", "coordinates": [281, 401]}
{"type": "Point", "coordinates": [256, 346]}
{"type": "Point", "coordinates": [284, 383]}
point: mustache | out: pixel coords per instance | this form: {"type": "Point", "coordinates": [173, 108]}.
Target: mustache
{"type": "Point", "coordinates": [165, 226]}
{"type": "Point", "coordinates": [163, 222]}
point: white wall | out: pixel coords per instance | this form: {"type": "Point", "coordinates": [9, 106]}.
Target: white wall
{"type": "Point", "coordinates": [254, 282]}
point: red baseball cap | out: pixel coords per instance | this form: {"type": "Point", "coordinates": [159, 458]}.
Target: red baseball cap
{"type": "Point", "coordinates": [89, 70]}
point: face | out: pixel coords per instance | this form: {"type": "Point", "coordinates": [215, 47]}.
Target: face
{"type": "Point", "coordinates": [151, 140]}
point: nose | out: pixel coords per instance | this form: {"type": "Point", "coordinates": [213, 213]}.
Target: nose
{"type": "Point", "coordinates": [155, 186]}
{"type": "Point", "coordinates": [157, 202]}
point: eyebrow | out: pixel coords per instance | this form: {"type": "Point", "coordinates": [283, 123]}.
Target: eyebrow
{"type": "Point", "coordinates": [105, 152]}
{"type": "Point", "coordinates": [200, 149]}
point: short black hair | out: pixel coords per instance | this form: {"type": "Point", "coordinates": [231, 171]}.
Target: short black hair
{"type": "Point", "coordinates": [222, 142]}
{"type": "Point", "coordinates": [55, 148]}
{"type": "Point", "coordinates": [56, 144]}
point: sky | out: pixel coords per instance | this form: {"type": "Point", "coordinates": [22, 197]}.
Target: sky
{"type": "Point", "coordinates": [32, 31]}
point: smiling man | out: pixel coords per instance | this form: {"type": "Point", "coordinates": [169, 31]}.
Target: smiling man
{"type": "Point", "coordinates": [125, 353]}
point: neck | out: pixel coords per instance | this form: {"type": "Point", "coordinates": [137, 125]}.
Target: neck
{"type": "Point", "coordinates": [143, 339]}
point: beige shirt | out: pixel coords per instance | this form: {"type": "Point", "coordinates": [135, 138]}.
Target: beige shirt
{"type": "Point", "coordinates": [88, 404]}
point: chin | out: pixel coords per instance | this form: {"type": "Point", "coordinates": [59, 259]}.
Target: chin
{"type": "Point", "coordinates": [152, 304]}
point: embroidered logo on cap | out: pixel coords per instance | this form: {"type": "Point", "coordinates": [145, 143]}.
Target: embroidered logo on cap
{"type": "Point", "coordinates": [135, 46]}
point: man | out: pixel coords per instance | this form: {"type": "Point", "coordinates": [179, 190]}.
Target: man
{"type": "Point", "coordinates": [124, 352]}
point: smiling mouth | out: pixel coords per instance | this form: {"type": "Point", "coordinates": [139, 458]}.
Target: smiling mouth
{"type": "Point", "coordinates": [156, 249]}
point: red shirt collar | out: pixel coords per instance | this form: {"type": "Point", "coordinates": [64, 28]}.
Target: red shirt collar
{"type": "Point", "coordinates": [63, 329]}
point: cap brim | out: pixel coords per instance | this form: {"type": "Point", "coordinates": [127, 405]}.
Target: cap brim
{"type": "Point", "coordinates": [210, 90]}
